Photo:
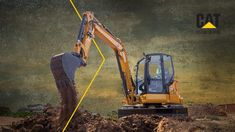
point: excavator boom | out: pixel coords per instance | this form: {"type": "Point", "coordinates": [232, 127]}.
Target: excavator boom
{"type": "Point", "coordinates": [91, 27]}
{"type": "Point", "coordinates": [64, 65]}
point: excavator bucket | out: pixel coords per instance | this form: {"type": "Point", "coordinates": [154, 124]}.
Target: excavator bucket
{"type": "Point", "coordinates": [63, 67]}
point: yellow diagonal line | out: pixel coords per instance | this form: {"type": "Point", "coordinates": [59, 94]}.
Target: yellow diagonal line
{"type": "Point", "coordinates": [93, 78]}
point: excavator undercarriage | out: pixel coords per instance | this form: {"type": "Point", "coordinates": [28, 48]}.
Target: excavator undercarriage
{"type": "Point", "coordinates": [161, 110]}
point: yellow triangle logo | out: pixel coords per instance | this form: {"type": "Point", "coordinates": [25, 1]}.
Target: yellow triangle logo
{"type": "Point", "coordinates": [208, 25]}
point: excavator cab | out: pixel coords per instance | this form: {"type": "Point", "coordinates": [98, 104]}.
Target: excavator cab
{"type": "Point", "coordinates": [156, 88]}
{"type": "Point", "coordinates": [154, 74]}
{"type": "Point", "coordinates": [155, 82]}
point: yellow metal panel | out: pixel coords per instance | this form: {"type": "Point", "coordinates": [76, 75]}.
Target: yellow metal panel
{"type": "Point", "coordinates": [154, 98]}
{"type": "Point", "coordinates": [161, 98]}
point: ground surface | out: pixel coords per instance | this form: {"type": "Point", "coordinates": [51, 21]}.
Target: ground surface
{"type": "Point", "coordinates": [5, 120]}
{"type": "Point", "coordinates": [202, 117]}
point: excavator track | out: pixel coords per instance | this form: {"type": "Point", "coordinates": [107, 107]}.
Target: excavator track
{"type": "Point", "coordinates": [66, 88]}
{"type": "Point", "coordinates": [178, 111]}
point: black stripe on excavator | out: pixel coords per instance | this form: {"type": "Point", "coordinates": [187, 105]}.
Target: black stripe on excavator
{"type": "Point", "coordinates": [81, 31]}
{"type": "Point", "coordinates": [122, 76]}
{"type": "Point", "coordinates": [163, 74]}
{"type": "Point", "coordinates": [163, 111]}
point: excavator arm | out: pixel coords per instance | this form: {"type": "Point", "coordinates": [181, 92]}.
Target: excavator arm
{"type": "Point", "coordinates": [91, 27]}
{"type": "Point", "coordinates": [64, 65]}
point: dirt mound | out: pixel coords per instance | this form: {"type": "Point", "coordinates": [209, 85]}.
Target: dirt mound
{"type": "Point", "coordinates": [230, 108]}
{"type": "Point", "coordinates": [87, 121]}
{"type": "Point", "coordinates": [179, 125]}
{"type": "Point", "coordinates": [40, 122]}
{"type": "Point", "coordinates": [202, 110]}
{"type": "Point", "coordinates": [139, 122]}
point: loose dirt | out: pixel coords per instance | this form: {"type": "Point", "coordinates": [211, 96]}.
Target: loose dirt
{"type": "Point", "coordinates": [206, 117]}
{"type": "Point", "coordinates": [5, 120]}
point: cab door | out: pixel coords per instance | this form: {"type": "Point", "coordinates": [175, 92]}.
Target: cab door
{"type": "Point", "coordinates": [159, 73]}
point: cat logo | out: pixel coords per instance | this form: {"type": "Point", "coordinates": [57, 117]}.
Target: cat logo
{"type": "Point", "coordinates": [208, 21]}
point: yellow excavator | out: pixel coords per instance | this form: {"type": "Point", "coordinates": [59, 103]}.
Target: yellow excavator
{"type": "Point", "coordinates": [153, 91]}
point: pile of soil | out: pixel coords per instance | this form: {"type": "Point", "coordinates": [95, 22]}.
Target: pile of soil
{"type": "Point", "coordinates": [92, 122]}
{"type": "Point", "coordinates": [230, 108]}
{"type": "Point", "coordinates": [203, 110]}
{"type": "Point", "coordinates": [86, 121]}
{"type": "Point", "coordinates": [45, 121]}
